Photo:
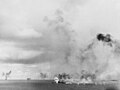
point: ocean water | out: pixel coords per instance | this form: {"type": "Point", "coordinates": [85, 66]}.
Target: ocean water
{"type": "Point", "coordinates": [49, 85]}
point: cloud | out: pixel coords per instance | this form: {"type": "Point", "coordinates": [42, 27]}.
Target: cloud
{"type": "Point", "coordinates": [20, 19]}
{"type": "Point", "coordinates": [10, 51]}
{"type": "Point", "coordinates": [28, 33]}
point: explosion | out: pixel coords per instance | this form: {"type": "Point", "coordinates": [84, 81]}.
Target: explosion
{"type": "Point", "coordinates": [97, 62]}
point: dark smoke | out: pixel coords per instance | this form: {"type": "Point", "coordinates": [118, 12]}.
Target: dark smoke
{"type": "Point", "coordinates": [102, 37]}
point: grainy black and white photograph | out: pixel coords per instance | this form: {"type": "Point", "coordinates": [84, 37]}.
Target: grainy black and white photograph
{"type": "Point", "coordinates": [59, 44]}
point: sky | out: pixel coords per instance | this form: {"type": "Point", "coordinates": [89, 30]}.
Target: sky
{"type": "Point", "coordinates": [39, 35]}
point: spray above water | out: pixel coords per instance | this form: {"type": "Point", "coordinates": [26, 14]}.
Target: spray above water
{"type": "Point", "coordinates": [6, 75]}
{"type": "Point", "coordinates": [99, 58]}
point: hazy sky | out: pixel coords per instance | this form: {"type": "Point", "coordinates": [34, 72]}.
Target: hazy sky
{"type": "Point", "coordinates": [35, 35]}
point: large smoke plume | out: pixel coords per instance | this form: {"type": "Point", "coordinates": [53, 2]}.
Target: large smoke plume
{"type": "Point", "coordinates": [74, 52]}
{"type": "Point", "coordinates": [100, 55]}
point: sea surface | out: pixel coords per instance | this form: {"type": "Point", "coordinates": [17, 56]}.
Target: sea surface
{"type": "Point", "coordinates": [49, 85]}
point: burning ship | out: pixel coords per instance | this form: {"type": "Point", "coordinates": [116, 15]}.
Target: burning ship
{"type": "Point", "coordinates": [102, 74]}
